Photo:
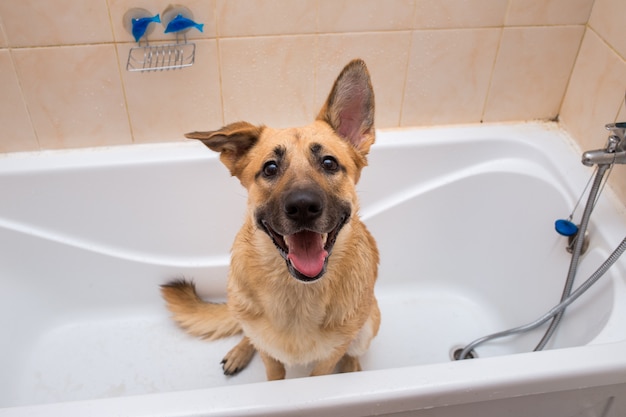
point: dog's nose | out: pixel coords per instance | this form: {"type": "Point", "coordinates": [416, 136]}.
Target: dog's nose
{"type": "Point", "coordinates": [303, 205]}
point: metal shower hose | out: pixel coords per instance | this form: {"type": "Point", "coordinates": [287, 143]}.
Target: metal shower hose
{"type": "Point", "coordinates": [568, 297]}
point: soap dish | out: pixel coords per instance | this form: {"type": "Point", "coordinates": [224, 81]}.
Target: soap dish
{"type": "Point", "coordinates": [161, 57]}
{"type": "Point", "coordinates": [177, 20]}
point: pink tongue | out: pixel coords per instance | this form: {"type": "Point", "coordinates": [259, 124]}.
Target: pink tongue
{"type": "Point", "coordinates": [306, 252]}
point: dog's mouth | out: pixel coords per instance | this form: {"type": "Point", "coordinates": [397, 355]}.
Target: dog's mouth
{"type": "Point", "coordinates": [306, 252]}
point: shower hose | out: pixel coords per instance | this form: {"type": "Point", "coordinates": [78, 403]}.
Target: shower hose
{"type": "Point", "coordinates": [568, 297]}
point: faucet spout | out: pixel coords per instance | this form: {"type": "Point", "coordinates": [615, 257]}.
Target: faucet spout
{"type": "Point", "coordinates": [602, 157]}
{"type": "Point", "coordinates": [615, 150]}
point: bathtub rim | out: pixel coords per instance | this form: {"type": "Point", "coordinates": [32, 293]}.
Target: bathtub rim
{"type": "Point", "coordinates": [373, 392]}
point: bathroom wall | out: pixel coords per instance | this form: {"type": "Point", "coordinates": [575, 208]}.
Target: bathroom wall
{"type": "Point", "coordinates": [64, 82]}
{"type": "Point", "coordinates": [595, 95]}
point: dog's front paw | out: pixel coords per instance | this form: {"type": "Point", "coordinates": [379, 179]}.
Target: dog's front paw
{"type": "Point", "coordinates": [349, 364]}
{"type": "Point", "coordinates": [238, 357]}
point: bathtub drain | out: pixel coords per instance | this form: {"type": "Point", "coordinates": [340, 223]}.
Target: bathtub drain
{"type": "Point", "coordinates": [456, 351]}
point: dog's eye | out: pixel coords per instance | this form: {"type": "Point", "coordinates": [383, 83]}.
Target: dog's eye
{"type": "Point", "coordinates": [330, 164]}
{"type": "Point", "coordinates": [270, 168]}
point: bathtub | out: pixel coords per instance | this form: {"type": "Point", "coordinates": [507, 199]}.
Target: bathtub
{"type": "Point", "coordinates": [464, 219]}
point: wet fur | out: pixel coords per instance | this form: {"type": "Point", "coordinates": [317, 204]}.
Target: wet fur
{"type": "Point", "coordinates": [331, 320]}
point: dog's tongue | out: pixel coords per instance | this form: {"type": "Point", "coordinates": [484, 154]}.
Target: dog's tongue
{"type": "Point", "coordinates": [306, 252]}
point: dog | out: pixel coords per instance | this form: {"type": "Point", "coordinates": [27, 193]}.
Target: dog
{"type": "Point", "coordinates": [303, 265]}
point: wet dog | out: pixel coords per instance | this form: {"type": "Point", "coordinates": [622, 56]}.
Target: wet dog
{"type": "Point", "coordinates": [303, 265]}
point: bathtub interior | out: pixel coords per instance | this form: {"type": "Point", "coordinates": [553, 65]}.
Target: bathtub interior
{"type": "Point", "coordinates": [464, 226]}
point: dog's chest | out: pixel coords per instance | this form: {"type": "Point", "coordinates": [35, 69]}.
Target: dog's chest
{"type": "Point", "coordinates": [295, 345]}
{"type": "Point", "coordinates": [294, 329]}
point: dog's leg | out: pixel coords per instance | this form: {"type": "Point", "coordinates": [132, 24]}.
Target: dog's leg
{"type": "Point", "coordinates": [349, 364]}
{"type": "Point", "coordinates": [327, 366]}
{"type": "Point", "coordinates": [273, 368]}
{"type": "Point", "coordinates": [346, 359]}
{"type": "Point", "coordinates": [345, 363]}
{"type": "Point", "coordinates": [238, 357]}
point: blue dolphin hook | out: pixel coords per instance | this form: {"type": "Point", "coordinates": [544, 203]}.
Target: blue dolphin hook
{"type": "Point", "coordinates": [141, 25]}
{"type": "Point", "coordinates": [180, 22]}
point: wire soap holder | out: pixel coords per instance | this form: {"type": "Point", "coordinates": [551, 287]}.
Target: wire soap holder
{"type": "Point", "coordinates": [161, 57]}
{"type": "Point", "coordinates": [165, 56]}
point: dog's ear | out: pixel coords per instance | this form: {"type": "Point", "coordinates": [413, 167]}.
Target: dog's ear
{"type": "Point", "coordinates": [232, 142]}
{"type": "Point", "coordinates": [349, 108]}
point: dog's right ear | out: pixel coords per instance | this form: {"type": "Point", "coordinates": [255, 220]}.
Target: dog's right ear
{"type": "Point", "coordinates": [349, 108]}
{"type": "Point", "coordinates": [232, 142]}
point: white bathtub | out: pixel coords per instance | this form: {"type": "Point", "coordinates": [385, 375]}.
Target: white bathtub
{"type": "Point", "coordinates": [464, 220]}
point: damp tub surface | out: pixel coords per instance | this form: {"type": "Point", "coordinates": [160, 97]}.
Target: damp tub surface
{"type": "Point", "coordinates": [463, 217]}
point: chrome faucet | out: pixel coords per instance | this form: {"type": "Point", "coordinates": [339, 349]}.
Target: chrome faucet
{"type": "Point", "coordinates": [615, 150]}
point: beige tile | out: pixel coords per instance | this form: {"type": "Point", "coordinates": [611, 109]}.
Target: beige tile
{"type": "Point", "coordinates": [621, 116]}
{"type": "Point", "coordinates": [448, 77]}
{"type": "Point", "coordinates": [17, 131]}
{"type": "Point", "coordinates": [548, 12]}
{"type": "Point", "coordinates": [203, 12]}
{"type": "Point", "coordinates": [3, 38]}
{"type": "Point", "coordinates": [59, 22]}
{"type": "Point", "coordinates": [164, 105]}
{"type": "Point", "coordinates": [617, 180]}
{"type": "Point", "coordinates": [451, 14]}
{"type": "Point", "coordinates": [595, 92]}
{"type": "Point", "coordinates": [365, 15]}
{"type": "Point", "coordinates": [266, 17]}
{"type": "Point", "coordinates": [74, 95]}
{"type": "Point", "coordinates": [531, 72]}
{"type": "Point", "coordinates": [386, 55]}
{"type": "Point", "coordinates": [269, 80]}
{"type": "Point", "coordinates": [608, 19]}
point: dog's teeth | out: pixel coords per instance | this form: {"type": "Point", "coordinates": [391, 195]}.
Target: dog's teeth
{"type": "Point", "coordinates": [324, 238]}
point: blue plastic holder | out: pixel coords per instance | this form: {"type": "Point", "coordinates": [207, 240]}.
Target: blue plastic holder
{"type": "Point", "coordinates": [180, 23]}
{"type": "Point", "coordinates": [141, 24]}
{"type": "Point", "coordinates": [565, 227]}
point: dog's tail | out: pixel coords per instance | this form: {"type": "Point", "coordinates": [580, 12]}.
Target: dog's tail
{"type": "Point", "coordinates": [197, 317]}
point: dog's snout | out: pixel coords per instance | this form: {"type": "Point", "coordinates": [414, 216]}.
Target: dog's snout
{"type": "Point", "coordinates": [303, 205]}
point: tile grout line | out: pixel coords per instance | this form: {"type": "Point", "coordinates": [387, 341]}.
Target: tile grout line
{"type": "Point", "coordinates": [116, 47]}
{"type": "Point", "coordinates": [219, 63]}
{"type": "Point", "coordinates": [495, 60]}
{"type": "Point", "coordinates": [611, 49]}
{"type": "Point", "coordinates": [493, 69]}
{"type": "Point", "coordinates": [218, 37]}
{"type": "Point", "coordinates": [23, 97]}
{"type": "Point", "coordinates": [19, 85]}
{"type": "Point", "coordinates": [317, 60]}
{"type": "Point", "coordinates": [407, 67]}
{"type": "Point", "coordinates": [571, 73]}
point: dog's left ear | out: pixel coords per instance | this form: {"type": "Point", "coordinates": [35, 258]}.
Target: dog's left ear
{"type": "Point", "coordinates": [232, 141]}
{"type": "Point", "coordinates": [349, 108]}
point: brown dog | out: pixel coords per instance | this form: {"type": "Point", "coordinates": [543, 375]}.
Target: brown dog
{"type": "Point", "coordinates": [303, 266]}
